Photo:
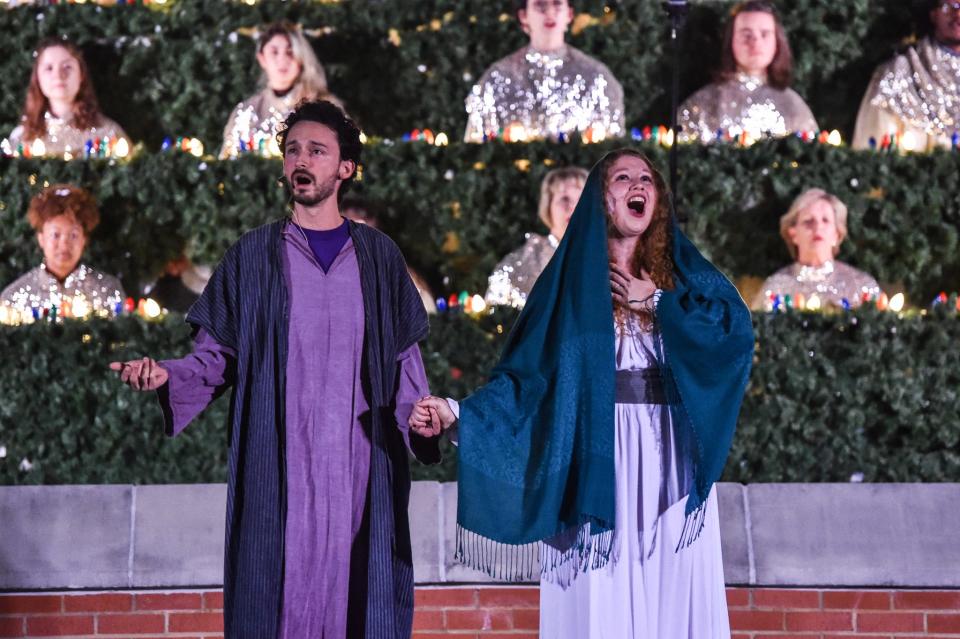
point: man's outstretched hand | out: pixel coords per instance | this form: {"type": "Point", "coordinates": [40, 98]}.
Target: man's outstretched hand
{"type": "Point", "coordinates": [141, 374]}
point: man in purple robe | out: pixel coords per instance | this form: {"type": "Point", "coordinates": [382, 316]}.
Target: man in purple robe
{"type": "Point", "coordinates": [314, 323]}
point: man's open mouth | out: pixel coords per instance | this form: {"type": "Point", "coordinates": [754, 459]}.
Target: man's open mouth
{"type": "Point", "coordinates": [302, 179]}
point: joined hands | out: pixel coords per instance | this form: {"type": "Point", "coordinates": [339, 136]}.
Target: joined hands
{"type": "Point", "coordinates": [431, 416]}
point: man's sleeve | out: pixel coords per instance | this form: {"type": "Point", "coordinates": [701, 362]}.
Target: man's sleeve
{"type": "Point", "coordinates": [195, 381]}
{"type": "Point", "coordinates": [411, 386]}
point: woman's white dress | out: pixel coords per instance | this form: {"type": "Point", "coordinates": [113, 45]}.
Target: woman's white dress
{"type": "Point", "coordinates": [648, 590]}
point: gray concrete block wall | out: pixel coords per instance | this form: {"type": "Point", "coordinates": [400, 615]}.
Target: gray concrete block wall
{"type": "Point", "coordinates": [178, 535]}
{"type": "Point", "coordinates": [856, 534]}
{"type": "Point", "coordinates": [832, 535]}
{"type": "Point", "coordinates": [65, 536]}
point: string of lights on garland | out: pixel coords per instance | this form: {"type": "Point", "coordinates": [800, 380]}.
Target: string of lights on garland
{"type": "Point", "coordinates": [778, 303]}
{"type": "Point", "coordinates": [264, 145]}
{"type": "Point", "coordinates": [906, 142]}
{"type": "Point", "coordinates": [462, 303]}
{"type": "Point", "coordinates": [102, 147]}
{"type": "Point", "coordinates": [895, 304]}
{"type": "Point", "coordinates": [193, 146]}
{"type": "Point", "coordinates": [661, 135]}
{"type": "Point", "coordinates": [10, 4]}
{"type": "Point", "coordinates": [78, 307]}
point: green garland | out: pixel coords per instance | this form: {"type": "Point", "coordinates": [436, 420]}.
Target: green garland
{"type": "Point", "coordinates": [475, 203]}
{"type": "Point", "coordinates": [180, 69]}
{"type": "Point", "coordinates": [849, 400]}
{"type": "Point", "coordinates": [831, 397]}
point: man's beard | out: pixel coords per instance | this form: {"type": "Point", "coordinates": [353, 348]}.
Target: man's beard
{"type": "Point", "coordinates": [321, 193]}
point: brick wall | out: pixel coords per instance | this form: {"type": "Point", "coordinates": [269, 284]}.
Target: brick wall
{"type": "Point", "coordinates": [492, 613]}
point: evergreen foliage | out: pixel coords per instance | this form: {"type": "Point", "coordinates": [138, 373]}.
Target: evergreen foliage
{"type": "Point", "coordinates": [831, 396]}
{"type": "Point", "coordinates": [456, 210]}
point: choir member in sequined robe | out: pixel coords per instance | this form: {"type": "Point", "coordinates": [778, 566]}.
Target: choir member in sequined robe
{"type": "Point", "coordinates": [515, 274]}
{"type": "Point", "coordinates": [752, 94]}
{"type": "Point", "coordinates": [291, 73]}
{"type": "Point", "coordinates": [813, 230]}
{"type": "Point", "coordinates": [60, 113]}
{"type": "Point", "coordinates": [917, 94]}
{"type": "Point", "coordinates": [547, 88]}
{"type": "Point", "coordinates": [63, 217]}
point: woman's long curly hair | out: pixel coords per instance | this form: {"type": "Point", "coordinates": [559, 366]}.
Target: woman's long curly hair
{"type": "Point", "coordinates": [654, 252]}
{"type": "Point", "coordinates": [86, 110]}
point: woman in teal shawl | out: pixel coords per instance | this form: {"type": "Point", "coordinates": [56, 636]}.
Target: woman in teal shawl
{"type": "Point", "coordinates": [595, 445]}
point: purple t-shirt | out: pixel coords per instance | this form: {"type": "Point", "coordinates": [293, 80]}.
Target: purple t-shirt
{"type": "Point", "coordinates": [326, 245]}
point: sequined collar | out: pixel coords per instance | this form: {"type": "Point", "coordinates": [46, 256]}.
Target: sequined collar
{"type": "Point", "coordinates": [283, 102]}
{"type": "Point", "coordinates": [750, 82]}
{"type": "Point", "coordinates": [535, 56]}
{"type": "Point", "coordinates": [79, 273]}
{"type": "Point", "coordinates": [54, 122]}
{"type": "Point", "coordinates": [814, 273]}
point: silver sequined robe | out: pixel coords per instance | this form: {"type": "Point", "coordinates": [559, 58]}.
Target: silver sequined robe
{"type": "Point", "coordinates": [832, 283]}
{"type": "Point", "coordinates": [743, 104]}
{"type": "Point", "coordinates": [917, 92]}
{"type": "Point", "coordinates": [63, 137]}
{"type": "Point", "coordinates": [548, 93]}
{"type": "Point", "coordinates": [513, 278]}
{"type": "Point", "coordinates": [39, 288]}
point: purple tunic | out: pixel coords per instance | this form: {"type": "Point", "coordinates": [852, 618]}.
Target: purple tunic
{"type": "Point", "coordinates": [327, 418]}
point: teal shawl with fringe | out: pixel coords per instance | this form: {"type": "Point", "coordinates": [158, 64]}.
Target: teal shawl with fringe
{"type": "Point", "coordinates": [536, 443]}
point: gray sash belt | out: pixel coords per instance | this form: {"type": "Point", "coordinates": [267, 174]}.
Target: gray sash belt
{"type": "Point", "coordinates": [644, 386]}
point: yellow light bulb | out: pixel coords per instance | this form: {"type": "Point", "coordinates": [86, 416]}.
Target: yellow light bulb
{"type": "Point", "coordinates": [121, 149]}
{"type": "Point", "coordinates": [80, 307]}
{"type": "Point", "coordinates": [813, 304]}
{"type": "Point", "coordinates": [151, 308]}
{"type": "Point", "coordinates": [668, 139]}
{"type": "Point", "coordinates": [597, 133]}
{"type": "Point", "coordinates": [834, 138]}
{"type": "Point", "coordinates": [363, 138]}
{"type": "Point", "coordinates": [38, 148]}
{"type": "Point", "coordinates": [478, 304]}
{"type": "Point", "coordinates": [196, 147]}
{"type": "Point", "coordinates": [896, 303]}
{"type": "Point", "coordinates": [908, 142]}
{"type": "Point", "coordinates": [515, 133]}
{"type": "Point", "coordinates": [441, 139]}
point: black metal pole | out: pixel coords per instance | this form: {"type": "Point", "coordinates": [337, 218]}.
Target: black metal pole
{"type": "Point", "coordinates": [677, 10]}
